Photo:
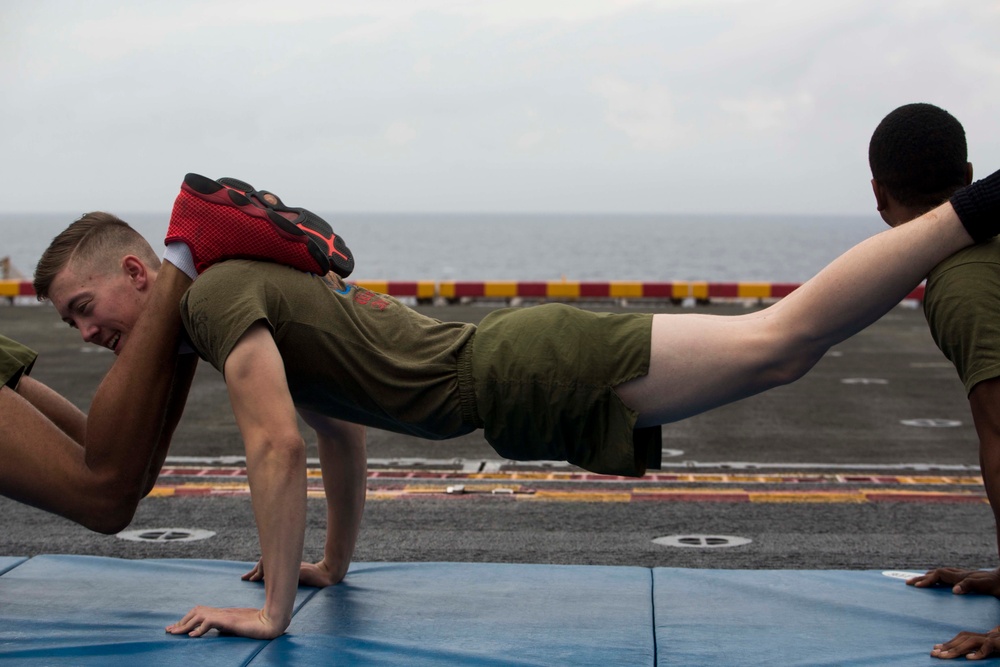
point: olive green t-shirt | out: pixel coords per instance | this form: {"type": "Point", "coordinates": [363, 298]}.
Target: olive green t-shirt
{"type": "Point", "coordinates": [15, 360]}
{"type": "Point", "coordinates": [962, 306]}
{"type": "Point", "coordinates": [349, 353]}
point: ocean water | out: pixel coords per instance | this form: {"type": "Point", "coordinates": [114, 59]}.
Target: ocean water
{"type": "Point", "coordinates": [543, 246]}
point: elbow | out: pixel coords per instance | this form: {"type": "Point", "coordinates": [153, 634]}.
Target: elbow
{"type": "Point", "coordinates": [111, 515]}
{"type": "Point", "coordinates": [789, 371]}
{"type": "Point", "coordinates": [786, 365]}
{"type": "Point", "coordinates": [785, 354]}
{"type": "Point", "coordinates": [111, 507]}
{"type": "Point", "coordinates": [112, 524]}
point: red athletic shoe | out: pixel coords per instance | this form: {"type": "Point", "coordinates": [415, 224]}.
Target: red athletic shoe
{"type": "Point", "coordinates": [227, 218]}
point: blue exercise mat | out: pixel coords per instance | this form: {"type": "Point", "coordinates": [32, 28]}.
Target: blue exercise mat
{"type": "Point", "coordinates": [80, 610]}
{"type": "Point", "coordinates": [441, 614]}
{"type": "Point", "coordinates": [807, 617]}
{"type": "Point", "coordinates": [6, 563]}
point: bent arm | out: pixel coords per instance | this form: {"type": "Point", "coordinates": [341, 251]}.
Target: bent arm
{"type": "Point", "coordinates": [344, 462]}
{"type": "Point", "coordinates": [183, 376]}
{"type": "Point", "coordinates": [64, 415]}
{"type": "Point", "coordinates": [128, 418]}
{"type": "Point", "coordinates": [94, 469]}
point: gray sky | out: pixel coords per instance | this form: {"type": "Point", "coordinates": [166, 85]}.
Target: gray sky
{"type": "Point", "coordinates": [710, 106]}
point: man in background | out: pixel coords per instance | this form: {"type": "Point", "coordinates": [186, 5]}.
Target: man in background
{"type": "Point", "coordinates": [918, 157]}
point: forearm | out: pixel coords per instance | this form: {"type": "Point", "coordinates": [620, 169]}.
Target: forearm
{"type": "Point", "coordinates": [277, 476]}
{"type": "Point", "coordinates": [276, 466]}
{"type": "Point", "coordinates": [186, 366]}
{"type": "Point", "coordinates": [66, 416]}
{"type": "Point", "coordinates": [128, 413]}
{"type": "Point", "coordinates": [984, 401]}
{"type": "Point", "coordinates": [345, 476]}
{"type": "Point", "coordinates": [989, 464]}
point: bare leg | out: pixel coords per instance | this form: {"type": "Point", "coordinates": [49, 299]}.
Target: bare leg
{"type": "Point", "coordinates": [95, 469]}
{"type": "Point", "coordinates": [700, 362]}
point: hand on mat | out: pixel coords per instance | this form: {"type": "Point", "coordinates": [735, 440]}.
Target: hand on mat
{"type": "Point", "coordinates": [986, 582]}
{"type": "Point", "coordinates": [972, 645]}
{"type": "Point", "coordinates": [242, 622]}
{"type": "Point", "coordinates": [318, 574]}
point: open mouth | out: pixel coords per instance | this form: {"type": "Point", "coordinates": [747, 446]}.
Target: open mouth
{"type": "Point", "coordinates": [113, 343]}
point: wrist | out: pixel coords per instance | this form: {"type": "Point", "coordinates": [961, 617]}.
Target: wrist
{"type": "Point", "coordinates": [277, 621]}
{"type": "Point", "coordinates": [335, 568]}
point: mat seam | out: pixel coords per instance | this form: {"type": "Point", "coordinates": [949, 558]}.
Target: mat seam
{"type": "Point", "coordinates": [652, 610]}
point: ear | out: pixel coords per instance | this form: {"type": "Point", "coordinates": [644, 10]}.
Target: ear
{"type": "Point", "coordinates": [968, 173]}
{"type": "Point", "coordinates": [137, 271]}
{"type": "Point", "coordinates": [881, 196]}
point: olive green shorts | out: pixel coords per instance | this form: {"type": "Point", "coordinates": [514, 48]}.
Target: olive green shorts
{"type": "Point", "coordinates": [544, 378]}
{"type": "Point", "coordinates": [15, 361]}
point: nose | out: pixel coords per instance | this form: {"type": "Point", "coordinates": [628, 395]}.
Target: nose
{"type": "Point", "coordinates": [89, 332]}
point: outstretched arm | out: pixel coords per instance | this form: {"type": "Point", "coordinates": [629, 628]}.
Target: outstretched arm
{"type": "Point", "coordinates": [276, 468]}
{"type": "Point", "coordinates": [94, 470]}
{"type": "Point", "coordinates": [985, 403]}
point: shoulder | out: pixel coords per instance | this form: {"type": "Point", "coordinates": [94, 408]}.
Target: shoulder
{"type": "Point", "coordinates": [981, 257]}
{"type": "Point", "coordinates": [236, 278]}
{"type": "Point", "coordinates": [963, 296]}
{"type": "Point", "coordinates": [233, 271]}
{"type": "Point", "coordinates": [967, 280]}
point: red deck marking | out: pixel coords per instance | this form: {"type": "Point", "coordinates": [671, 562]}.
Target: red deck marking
{"type": "Point", "coordinates": [694, 497]}
{"type": "Point", "coordinates": [180, 481]}
{"type": "Point", "coordinates": [912, 497]}
{"type": "Point", "coordinates": [834, 479]}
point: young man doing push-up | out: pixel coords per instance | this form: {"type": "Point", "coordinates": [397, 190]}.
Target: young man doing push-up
{"type": "Point", "coordinates": [543, 382]}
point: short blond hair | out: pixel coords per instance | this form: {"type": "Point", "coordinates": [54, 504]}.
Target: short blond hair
{"type": "Point", "coordinates": [98, 238]}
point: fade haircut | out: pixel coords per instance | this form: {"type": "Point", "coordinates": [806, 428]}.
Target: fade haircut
{"type": "Point", "coordinates": [918, 153]}
{"type": "Point", "coordinates": [98, 239]}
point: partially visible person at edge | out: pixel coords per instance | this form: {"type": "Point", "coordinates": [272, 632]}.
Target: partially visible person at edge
{"type": "Point", "coordinates": [95, 468]}
{"type": "Point", "coordinates": [919, 158]}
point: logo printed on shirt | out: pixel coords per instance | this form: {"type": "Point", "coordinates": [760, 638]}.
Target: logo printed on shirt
{"type": "Point", "coordinates": [362, 297]}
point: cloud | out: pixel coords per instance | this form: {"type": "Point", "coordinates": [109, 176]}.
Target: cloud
{"type": "Point", "coordinates": [399, 133]}
{"type": "Point", "coordinates": [762, 113]}
{"type": "Point", "coordinates": [645, 114]}
{"type": "Point", "coordinates": [529, 140]}
{"type": "Point", "coordinates": [558, 105]}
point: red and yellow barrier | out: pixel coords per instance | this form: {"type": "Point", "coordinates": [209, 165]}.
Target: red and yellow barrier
{"type": "Point", "coordinates": [12, 288]}
{"type": "Point", "coordinates": [561, 289]}
{"type": "Point", "coordinates": [556, 290]}
{"type": "Point", "coordinates": [420, 289]}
